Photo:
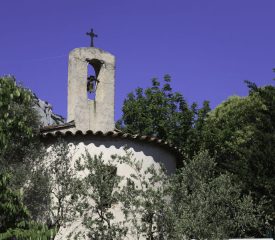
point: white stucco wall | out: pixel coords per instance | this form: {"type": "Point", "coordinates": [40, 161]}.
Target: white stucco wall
{"type": "Point", "coordinates": [149, 153]}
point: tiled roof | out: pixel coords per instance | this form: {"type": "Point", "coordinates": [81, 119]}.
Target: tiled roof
{"type": "Point", "coordinates": [57, 127]}
{"type": "Point", "coordinates": [58, 131]}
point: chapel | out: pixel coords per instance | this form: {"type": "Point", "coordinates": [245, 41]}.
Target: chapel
{"type": "Point", "coordinates": [90, 122]}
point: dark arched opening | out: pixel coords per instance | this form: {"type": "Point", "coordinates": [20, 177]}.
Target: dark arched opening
{"type": "Point", "coordinates": [94, 67]}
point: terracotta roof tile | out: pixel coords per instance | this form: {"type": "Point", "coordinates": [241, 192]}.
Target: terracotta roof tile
{"type": "Point", "coordinates": [54, 131]}
{"type": "Point", "coordinates": [57, 127]}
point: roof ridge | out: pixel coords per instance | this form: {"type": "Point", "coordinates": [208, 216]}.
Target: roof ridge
{"type": "Point", "coordinates": [114, 134]}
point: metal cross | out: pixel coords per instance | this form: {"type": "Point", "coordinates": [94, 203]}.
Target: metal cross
{"type": "Point", "coordinates": [92, 35]}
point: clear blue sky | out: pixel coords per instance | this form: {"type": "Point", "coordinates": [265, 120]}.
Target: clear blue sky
{"type": "Point", "coordinates": [209, 47]}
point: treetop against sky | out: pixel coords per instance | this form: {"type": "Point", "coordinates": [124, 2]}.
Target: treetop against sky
{"type": "Point", "coordinates": [208, 47]}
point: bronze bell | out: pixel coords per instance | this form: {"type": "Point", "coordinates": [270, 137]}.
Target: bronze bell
{"type": "Point", "coordinates": [92, 84]}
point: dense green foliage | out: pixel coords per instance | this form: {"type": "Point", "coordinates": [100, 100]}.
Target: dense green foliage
{"type": "Point", "coordinates": [194, 203]}
{"type": "Point", "coordinates": [240, 134]}
{"type": "Point", "coordinates": [19, 124]}
{"type": "Point", "coordinates": [19, 146]}
{"type": "Point", "coordinates": [12, 210]}
{"type": "Point", "coordinates": [224, 191]}
{"type": "Point", "coordinates": [210, 205]}
{"type": "Point", "coordinates": [158, 111]}
{"type": "Point", "coordinates": [15, 220]}
{"type": "Point", "coordinates": [51, 194]}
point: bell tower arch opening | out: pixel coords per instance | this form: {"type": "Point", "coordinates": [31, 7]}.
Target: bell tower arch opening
{"type": "Point", "coordinates": [94, 67]}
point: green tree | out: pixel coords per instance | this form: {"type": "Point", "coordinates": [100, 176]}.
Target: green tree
{"type": "Point", "coordinates": [157, 111]}
{"type": "Point", "coordinates": [99, 191]}
{"type": "Point", "coordinates": [12, 210]}
{"type": "Point", "coordinates": [19, 124]}
{"type": "Point", "coordinates": [146, 200]}
{"type": "Point", "coordinates": [19, 130]}
{"type": "Point", "coordinates": [37, 191]}
{"type": "Point", "coordinates": [160, 112]}
{"type": "Point", "coordinates": [15, 220]}
{"type": "Point", "coordinates": [62, 186]}
{"type": "Point", "coordinates": [209, 205]}
{"type": "Point", "coordinates": [240, 134]}
{"type": "Point", "coordinates": [196, 202]}
{"type": "Point", "coordinates": [142, 197]}
{"type": "Point", "coordinates": [19, 147]}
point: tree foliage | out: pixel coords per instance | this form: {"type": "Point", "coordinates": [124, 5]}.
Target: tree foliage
{"type": "Point", "coordinates": [51, 194]}
{"type": "Point", "coordinates": [99, 193]}
{"type": "Point", "coordinates": [210, 205]}
{"type": "Point", "coordinates": [140, 199]}
{"type": "Point", "coordinates": [15, 220]}
{"type": "Point", "coordinates": [19, 147]}
{"type": "Point", "coordinates": [37, 193]}
{"type": "Point", "coordinates": [240, 134]}
{"type": "Point", "coordinates": [211, 197]}
{"type": "Point", "coordinates": [19, 123]}
{"type": "Point", "coordinates": [146, 200]}
{"type": "Point", "coordinates": [160, 112]}
{"type": "Point", "coordinates": [12, 210]}
{"type": "Point", "coordinates": [61, 185]}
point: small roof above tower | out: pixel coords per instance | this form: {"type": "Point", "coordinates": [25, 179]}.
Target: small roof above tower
{"type": "Point", "coordinates": [91, 114]}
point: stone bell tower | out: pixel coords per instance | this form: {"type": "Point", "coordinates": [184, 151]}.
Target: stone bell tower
{"type": "Point", "coordinates": [91, 114]}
